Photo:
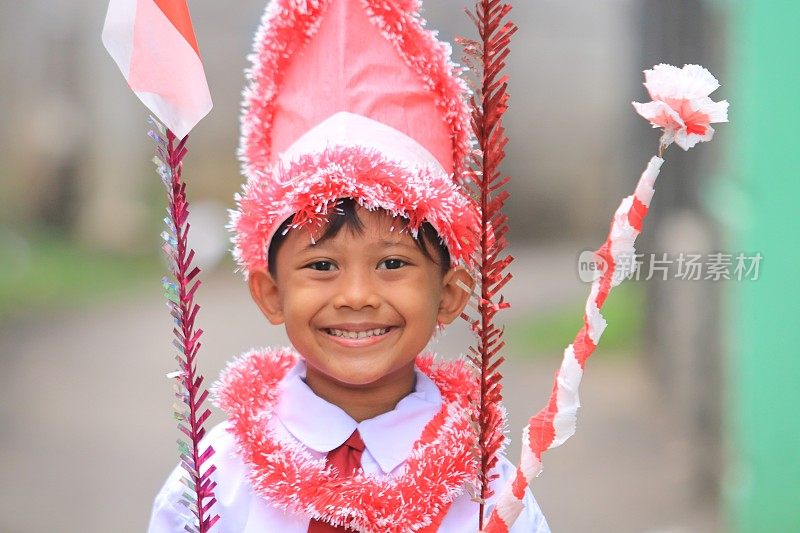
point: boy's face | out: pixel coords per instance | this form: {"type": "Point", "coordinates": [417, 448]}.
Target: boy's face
{"type": "Point", "coordinates": [359, 283]}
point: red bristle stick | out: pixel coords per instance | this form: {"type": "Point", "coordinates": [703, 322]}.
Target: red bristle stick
{"type": "Point", "coordinates": [489, 103]}
{"type": "Point", "coordinates": [185, 312]}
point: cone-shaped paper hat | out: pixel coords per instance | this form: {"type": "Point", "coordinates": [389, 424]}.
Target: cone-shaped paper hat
{"type": "Point", "coordinates": [352, 98]}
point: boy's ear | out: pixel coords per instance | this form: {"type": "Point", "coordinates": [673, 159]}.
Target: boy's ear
{"type": "Point", "coordinates": [454, 296]}
{"type": "Point", "coordinates": [264, 292]}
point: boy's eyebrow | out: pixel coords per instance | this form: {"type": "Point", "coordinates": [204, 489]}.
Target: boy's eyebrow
{"type": "Point", "coordinates": [386, 242]}
{"type": "Point", "coordinates": [312, 245]}
{"type": "Point", "coordinates": [382, 242]}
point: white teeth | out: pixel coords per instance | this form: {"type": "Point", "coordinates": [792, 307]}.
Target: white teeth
{"type": "Point", "coordinates": [357, 334]}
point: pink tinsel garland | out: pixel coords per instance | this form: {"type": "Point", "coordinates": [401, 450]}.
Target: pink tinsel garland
{"type": "Point", "coordinates": [440, 464]}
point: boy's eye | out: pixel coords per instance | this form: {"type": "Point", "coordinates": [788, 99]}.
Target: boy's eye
{"type": "Point", "coordinates": [393, 264]}
{"type": "Point", "coordinates": [321, 265]}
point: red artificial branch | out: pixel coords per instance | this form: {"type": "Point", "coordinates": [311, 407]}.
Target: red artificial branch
{"type": "Point", "coordinates": [180, 293]}
{"type": "Point", "coordinates": [489, 103]}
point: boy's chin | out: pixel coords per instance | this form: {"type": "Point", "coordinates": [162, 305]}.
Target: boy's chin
{"type": "Point", "coordinates": [356, 375]}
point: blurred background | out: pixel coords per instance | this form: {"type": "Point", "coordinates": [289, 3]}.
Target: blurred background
{"type": "Point", "coordinates": [690, 402]}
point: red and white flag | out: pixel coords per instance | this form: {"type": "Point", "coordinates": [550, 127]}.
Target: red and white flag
{"type": "Point", "coordinates": [154, 45]}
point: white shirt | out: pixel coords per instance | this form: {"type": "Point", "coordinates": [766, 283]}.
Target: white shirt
{"type": "Point", "coordinates": [388, 439]}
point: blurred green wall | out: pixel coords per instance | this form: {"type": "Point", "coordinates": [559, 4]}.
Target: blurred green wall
{"type": "Point", "coordinates": [763, 394]}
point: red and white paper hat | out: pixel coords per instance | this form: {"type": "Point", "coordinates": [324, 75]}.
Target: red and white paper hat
{"type": "Point", "coordinates": [352, 98]}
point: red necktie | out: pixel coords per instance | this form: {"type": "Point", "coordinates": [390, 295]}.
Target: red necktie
{"type": "Point", "coordinates": [346, 458]}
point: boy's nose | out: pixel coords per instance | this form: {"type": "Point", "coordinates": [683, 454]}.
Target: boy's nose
{"type": "Point", "coordinates": [356, 290]}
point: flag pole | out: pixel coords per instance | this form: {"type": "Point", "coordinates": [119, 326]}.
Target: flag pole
{"type": "Point", "coordinates": [180, 291]}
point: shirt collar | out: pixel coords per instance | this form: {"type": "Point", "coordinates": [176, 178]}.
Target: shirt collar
{"type": "Point", "coordinates": [322, 426]}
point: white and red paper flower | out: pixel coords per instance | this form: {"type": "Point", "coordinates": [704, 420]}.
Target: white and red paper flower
{"type": "Point", "coordinates": [681, 104]}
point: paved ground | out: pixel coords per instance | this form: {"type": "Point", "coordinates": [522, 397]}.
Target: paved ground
{"type": "Point", "coordinates": [88, 437]}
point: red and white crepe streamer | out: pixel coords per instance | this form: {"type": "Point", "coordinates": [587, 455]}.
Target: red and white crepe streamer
{"type": "Point", "coordinates": [554, 424]}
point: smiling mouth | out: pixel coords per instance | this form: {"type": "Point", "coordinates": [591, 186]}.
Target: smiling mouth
{"type": "Point", "coordinates": [356, 335]}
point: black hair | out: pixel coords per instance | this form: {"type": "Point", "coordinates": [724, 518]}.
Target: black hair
{"type": "Point", "coordinates": [346, 216]}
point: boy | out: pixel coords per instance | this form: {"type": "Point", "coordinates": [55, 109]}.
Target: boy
{"type": "Point", "coordinates": [352, 428]}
